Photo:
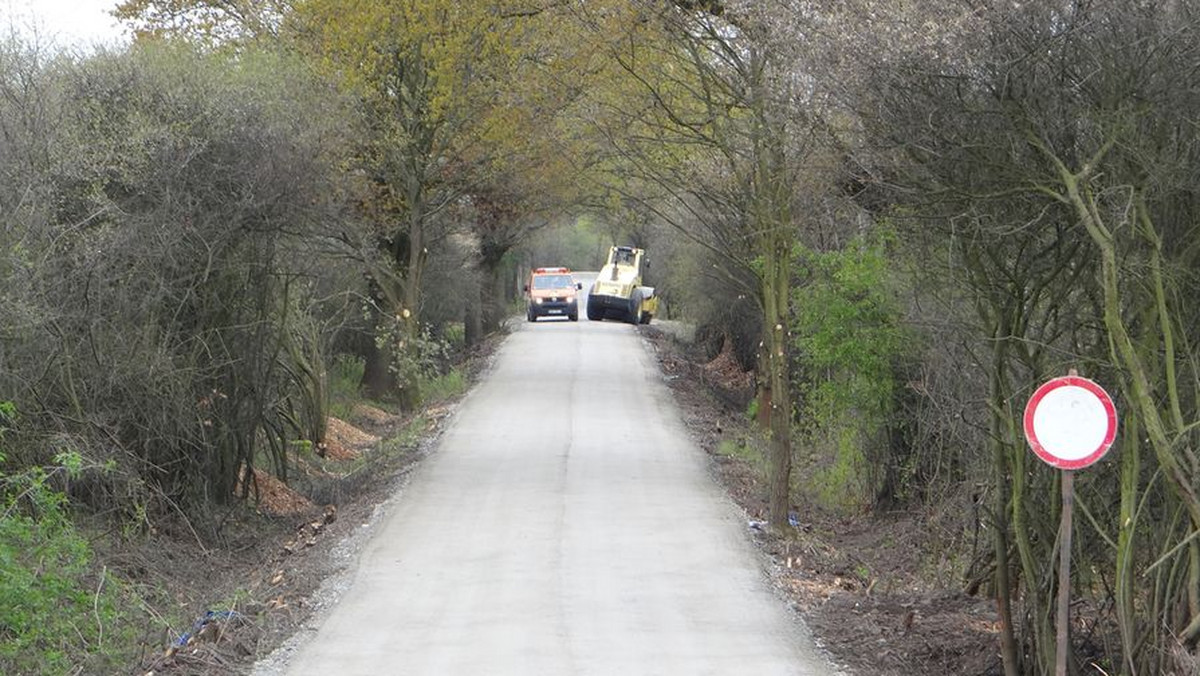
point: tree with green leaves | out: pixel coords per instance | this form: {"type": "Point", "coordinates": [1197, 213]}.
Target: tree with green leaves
{"type": "Point", "coordinates": [448, 110]}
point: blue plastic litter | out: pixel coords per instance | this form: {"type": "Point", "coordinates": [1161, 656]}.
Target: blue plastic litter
{"type": "Point", "coordinates": [208, 617]}
{"type": "Point", "coordinates": [793, 521]}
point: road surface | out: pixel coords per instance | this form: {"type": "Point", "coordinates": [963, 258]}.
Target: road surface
{"type": "Point", "coordinates": [565, 525]}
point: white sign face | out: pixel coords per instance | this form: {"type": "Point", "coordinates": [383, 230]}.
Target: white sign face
{"type": "Point", "coordinates": [1070, 422]}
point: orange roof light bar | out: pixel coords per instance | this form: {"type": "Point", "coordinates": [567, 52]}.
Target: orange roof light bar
{"type": "Point", "coordinates": [547, 271]}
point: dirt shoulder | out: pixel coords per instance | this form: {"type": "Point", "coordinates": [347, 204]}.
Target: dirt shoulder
{"type": "Point", "coordinates": [877, 591]}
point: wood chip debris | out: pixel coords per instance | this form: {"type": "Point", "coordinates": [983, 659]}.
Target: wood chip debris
{"type": "Point", "coordinates": [306, 533]}
{"type": "Point", "coordinates": [342, 433]}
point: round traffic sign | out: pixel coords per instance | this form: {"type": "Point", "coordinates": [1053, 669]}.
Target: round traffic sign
{"type": "Point", "coordinates": [1070, 422]}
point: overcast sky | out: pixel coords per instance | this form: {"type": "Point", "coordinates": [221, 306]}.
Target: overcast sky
{"type": "Point", "coordinates": [78, 23]}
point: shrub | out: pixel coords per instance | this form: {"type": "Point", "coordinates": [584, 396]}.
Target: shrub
{"type": "Point", "coordinates": [849, 343]}
{"type": "Point", "coordinates": [56, 614]}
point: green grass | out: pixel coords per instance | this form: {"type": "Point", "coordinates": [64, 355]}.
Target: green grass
{"type": "Point", "coordinates": [745, 451]}
{"type": "Point", "coordinates": [752, 410]}
{"type": "Point", "coordinates": [443, 387]}
{"type": "Point", "coordinates": [406, 439]}
{"type": "Point", "coordinates": [455, 335]}
{"type": "Point", "coordinates": [345, 375]}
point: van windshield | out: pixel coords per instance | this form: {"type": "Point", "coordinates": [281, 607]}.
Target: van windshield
{"type": "Point", "coordinates": [553, 282]}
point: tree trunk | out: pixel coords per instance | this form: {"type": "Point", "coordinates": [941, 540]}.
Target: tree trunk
{"type": "Point", "coordinates": [1004, 592]}
{"type": "Point", "coordinates": [763, 395]}
{"type": "Point", "coordinates": [775, 334]}
{"type": "Point", "coordinates": [378, 379]}
{"type": "Point", "coordinates": [408, 382]}
{"type": "Point", "coordinates": [771, 217]}
{"type": "Point", "coordinates": [473, 314]}
{"type": "Point", "coordinates": [493, 296]}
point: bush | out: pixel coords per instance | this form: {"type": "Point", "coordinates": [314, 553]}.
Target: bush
{"type": "Point", "coordinates": [849, 342]}
{"type": "Point", "coordinates": [161, 306]}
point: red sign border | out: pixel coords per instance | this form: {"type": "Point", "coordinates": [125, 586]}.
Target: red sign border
{"type": "Point", "coordinates": [1065, 381]}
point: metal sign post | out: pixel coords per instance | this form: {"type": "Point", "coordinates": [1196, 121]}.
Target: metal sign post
{"type": "Point", "coordinates": [1062, 625]}
{"type": "Point", "coordinates": [1070, 423]}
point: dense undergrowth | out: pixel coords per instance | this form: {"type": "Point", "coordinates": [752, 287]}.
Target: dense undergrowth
{"type": "Point", "coordinates": [60, 610]}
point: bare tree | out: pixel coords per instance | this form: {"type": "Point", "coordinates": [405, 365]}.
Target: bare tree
{"type": "Point", "coordinates": [715, 137]}
{"type": "Point", "coordinates": [165, 330]}
{"type": "Point", "coordinates": [1043, 147]}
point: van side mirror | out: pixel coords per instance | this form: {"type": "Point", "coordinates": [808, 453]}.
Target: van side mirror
{"type": "Point", "coordinates": [579, 285]}
{"type": "Point", "coordinates": [526, 287]}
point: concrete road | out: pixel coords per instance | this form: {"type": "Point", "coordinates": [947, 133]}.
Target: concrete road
{"type": "Point", "coordinates": [565, 525]}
